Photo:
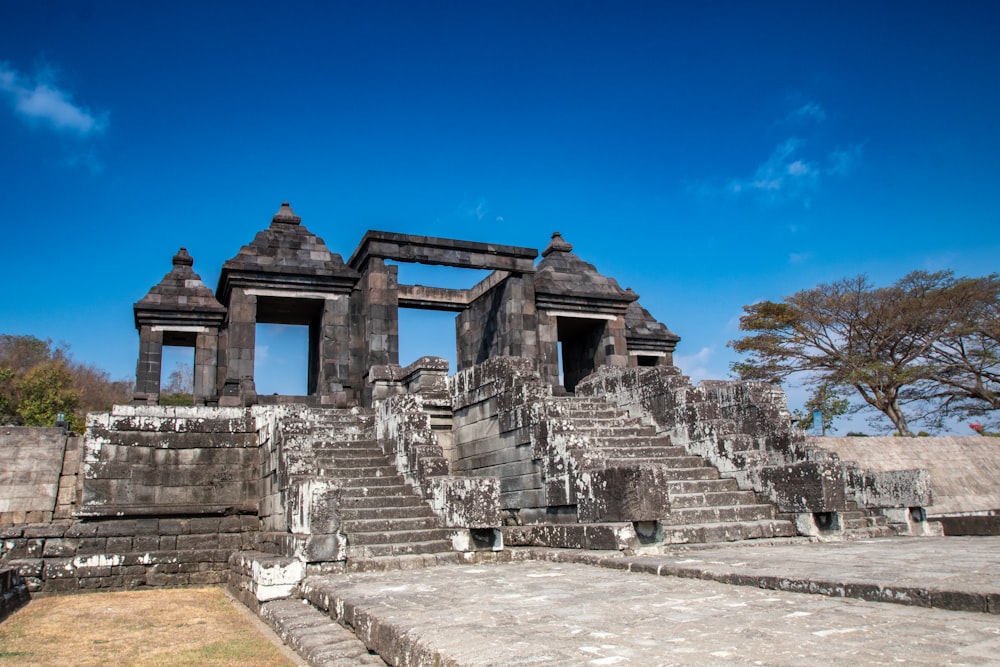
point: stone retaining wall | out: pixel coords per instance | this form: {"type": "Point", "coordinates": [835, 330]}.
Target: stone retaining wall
{"type": "Point", "coordinates": [491, 404]}
{"type": "Point", "coordinates": [31, 463]}
{"type": "Point", "coordinates": [126, 553]}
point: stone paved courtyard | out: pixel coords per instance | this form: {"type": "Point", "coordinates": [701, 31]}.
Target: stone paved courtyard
{"type": "Point", "coordinates": [541, 612]}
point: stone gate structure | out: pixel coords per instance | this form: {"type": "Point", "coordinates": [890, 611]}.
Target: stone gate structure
{"type": "Point", "coordinates": [565, 424]}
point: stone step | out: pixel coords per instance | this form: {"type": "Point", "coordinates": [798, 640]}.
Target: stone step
{"type": "Point", "coordinates": [398, 537]}
{"type": "Point", "coordinates": [684, 516]}
{"type": "Point", "coordinates": [598, 430]}
{"type": "Point", "coordinates": [347, 445]}
{"type": "Point", "coordinates": [719, 484]}
{"type": "Point", "coordinates": [352, 462]}
{"type": "Point", "coordinates": [728, 532]}
{"type": "Point", "coordinates": [863, 522]}
{"type": "Point", "coordinates": [335, 470]}
{"type": "Point", "coordinates": [868, 533]}
{"type": "Point", "coordinates": [351, 430]}
{"type": "Point", "coordinates": [418, 511]}
{"type": "Point", "coordinates": [712, 499]}
{"type": "Point", "coordinates": [684, 462]}
{"type": "Point", "coordinates": [690, 474]}
{"type": "Point", "coordinates": [362, 551]}
{"type": "Point", "coordinates": [600, 414]}
{"type": "Point", "coordinates": [378, 486]}
{"type": "Point", "coordinates": [653, 452]}
{"type": "Point", "coordinates": [388, 525]}
{"type": "Point", "coordinates": [636, 441]}
{"type": "Point", "coordinates": [351, 500]}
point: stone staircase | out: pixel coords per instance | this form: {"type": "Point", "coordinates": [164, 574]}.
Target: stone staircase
{"type": "Point", "coordinates": [703, 507]}
{"type": "Point", "coordinates": [857, 524]}
{"type": "Point", "coordinates": [380, 514]}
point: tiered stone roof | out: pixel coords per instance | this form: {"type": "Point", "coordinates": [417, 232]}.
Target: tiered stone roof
{"type": "Point", "coordinates": [179, 298]}
{"type": "Point", "coordinates": [286, 254]}
{"type": "Point", "coordinates": [643, 332]}
{"type": "Point", "coordinates": [565, 282]}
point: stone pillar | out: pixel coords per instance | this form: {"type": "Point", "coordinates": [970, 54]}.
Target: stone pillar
{"type": "Point", "coordinates": [613, 347]}
{"type": "Point", "coordinates": [519, 320]}
{"type": "Point", "coordinates": [335, 384]}
{"type": "Point", "coordinates": [206, 356]}
{"type": "Point", "coordinates": [147, 371]}
{"type": "Point", "coordinates": [239, 388]}
{"type": "Point", "coordinates": [548, 348]}
{"type": "Point", "coordinates": [375, 317]}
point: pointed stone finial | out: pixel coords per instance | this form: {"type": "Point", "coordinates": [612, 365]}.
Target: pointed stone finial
{"type": "Point", "coordinates": [182, 258]}
{"type": "Point", "coordinates": [286, 215]}
{"type": "Point", "coordinates": [557, 244]}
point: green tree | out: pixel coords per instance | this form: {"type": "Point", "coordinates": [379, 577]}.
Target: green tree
{"type": "Point", "coordinates": [45, 392]}
{"type": "Point", "coordinates": [886, 343]}
{"type": "Point", "coordinates": [34, 388]}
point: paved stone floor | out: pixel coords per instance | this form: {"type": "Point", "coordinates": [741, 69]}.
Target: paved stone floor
{"type": "Point", "coordinates": [537, 612]}
{"type": "Point", "coordinates": [958, 573]}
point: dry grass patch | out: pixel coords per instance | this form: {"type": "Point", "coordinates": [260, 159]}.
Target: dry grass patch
{"type": "Point", "coordinates": [189, 626]}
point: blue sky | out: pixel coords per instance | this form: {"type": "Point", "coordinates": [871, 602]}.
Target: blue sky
{"type": "Point", "coordinates": [707, 155]}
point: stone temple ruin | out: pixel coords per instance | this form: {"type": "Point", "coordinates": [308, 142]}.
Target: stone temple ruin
{"type": "Point", "coordinates": [566, 424]}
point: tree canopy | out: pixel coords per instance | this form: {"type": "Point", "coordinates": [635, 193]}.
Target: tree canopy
{"type": "Point", "coordinates": [922, 349]}
{"type": "Point", "coordinates": [39, 382]}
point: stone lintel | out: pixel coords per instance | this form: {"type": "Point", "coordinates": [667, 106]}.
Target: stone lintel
{"type": "Point", "coordinates": [442, 252]}
{"type": "Point", "coordinates": [433, 298]}
{"type": "Point", "coordinates": [287, 285]}
{"type": "Point", "coordinates": [567, 306]}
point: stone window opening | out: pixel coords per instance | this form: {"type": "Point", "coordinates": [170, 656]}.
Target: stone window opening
{"type": "Point", "coordinates": [177, 367]}
{"type": "Point", "coordinates": [289, 321]}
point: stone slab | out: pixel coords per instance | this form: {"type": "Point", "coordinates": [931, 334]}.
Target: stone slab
{"type": "Point", "coordinates": [547, 613]}
{"type": "Point", "coordinates": [957, 573]}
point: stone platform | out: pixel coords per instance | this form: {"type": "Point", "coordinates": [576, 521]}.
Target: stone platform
{"type": "Point", "coordinates": [542, 609]}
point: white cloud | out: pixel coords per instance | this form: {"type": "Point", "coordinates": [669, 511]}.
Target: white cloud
{"type": "Point", "coordinates": [808, 111]}
{"type": "Point", "coordinates": [782, 175]}
{"type": "Point", "coordinates": [799, 257]}
{"type": "Point", "coordinates": [794, 170]}
{"type": "Point", "coordinates": [37, 100]}
{"type": "Point", "coordinates": [696, 365]}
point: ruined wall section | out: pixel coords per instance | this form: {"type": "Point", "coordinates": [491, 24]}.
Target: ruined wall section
{"type": "Point", "coordinates": [500, 320]}
{"type": "Point", "coordinates": [167, 495]}
{"type": "Point", "coordinates": [756, 446]}
{"type": "Point", "coordinates": [31, 462]}
{"type": "Point", "coordinates": [492, 404]}
{"type": "Point", "coordinates": [405, 433]}
{"type": "Point", "coordinates": [161, 461]}
{"type": "Point", "coordinates": [744, 429]}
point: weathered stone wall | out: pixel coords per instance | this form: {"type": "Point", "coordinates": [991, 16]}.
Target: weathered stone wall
{"type": "Point", "coordinates": [162, 461]}
{"type": "Point", "coordinates": [31, 463]}
{"type": "Point", "coordinates": [744, 429]}
{"type": "Point", "coordinates": [491, 404]}
{"type": "Point", "coordinates": [404, 432]}
{"type": "Point", "coordinates": [125, 553]}
{"type": "Point", "coordinates": [963, 470]}
{"type": "Point", "coordinates": [167, 495]}
{"type": "Point", "coordinates": [745, 437]}
{"type": "Point", "coordinates": [499, 321]}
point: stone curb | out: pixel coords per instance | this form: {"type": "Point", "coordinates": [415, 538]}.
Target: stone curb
{"type": "Point", "coordinates": [953, 600]}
